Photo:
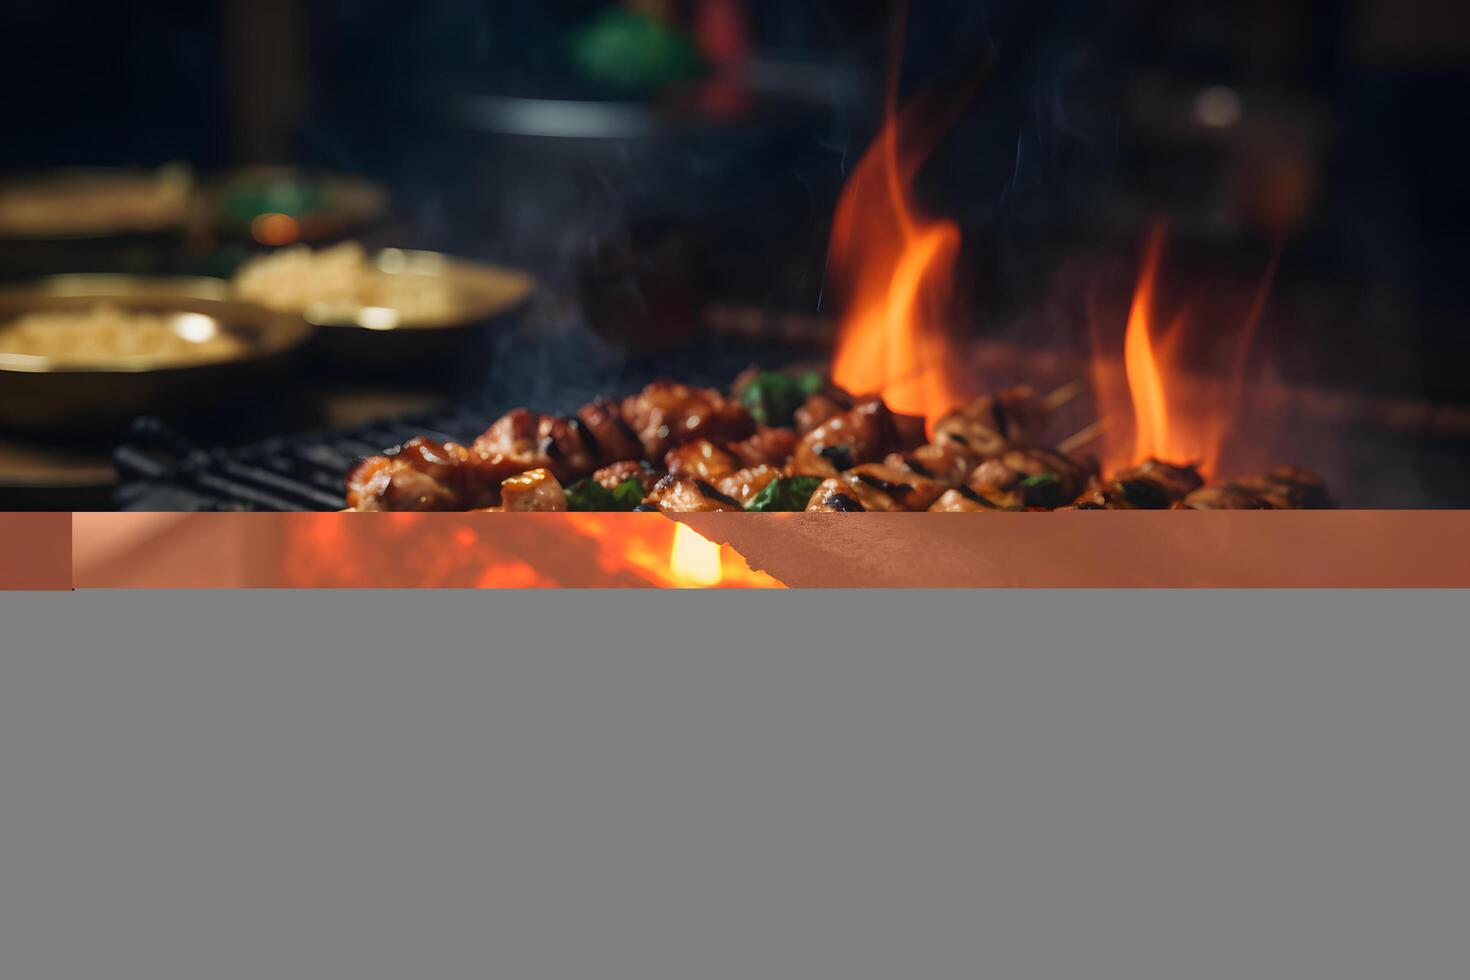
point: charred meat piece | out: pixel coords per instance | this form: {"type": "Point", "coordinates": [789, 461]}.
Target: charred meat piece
{"type": "Point", "coordinates": [863, 434]}
{"type": "Point", "coordinates": [769, 446]}
{"type": "Point", "coordinates": [990, 423]}
{"type": "Point", "coordinates": [665, 414]}
{"type": "Point", "coordinates": [1290, 488]}
{"type": "Point", "coordinates": [963, 500]}
{"type": "Point", "coordinates": [1229, 496]}
{"type": "Point", "coordinates": [826, 403]}
{"type": "Point", "coordinates": [515, 435]}
{"type": "Point", "coordinates": [743, 485]}
{"type": "Point", "coordinates": [946, 463]}
{"type": "Point", "coordinates": [613, 475]}
{"type": "Point", "coordinates": [833, 496]}
{"type": "Point", "coordinates": [686, 494]}
{"type": "Point", "coordinates": [1030, 476]}
{"type": "Point", "coordinates": [1177, 481]}
{"type": "Point", "coordinates": [1151, 485]}
{"type": "Point", "coordinates": [534, 489]}
{"type": "Point", "coordinates": [420, 475]}
{"type": "Point", "coordinates": [878, 486]}
{"type": "Point", "coordinates": [566, 446]}
{"type": "Point", "coordinates": [605, 426]}
{"type": "Point", "coordinates": [700, 458]}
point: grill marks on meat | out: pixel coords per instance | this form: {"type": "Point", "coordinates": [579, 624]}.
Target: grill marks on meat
{"type": "Point", "coordinates": [990, 423]}
{"type": "Point", "coordinates": [426, 475]}
{"type": "Point", "coordinates": [695, 449]}
{"type": "Point", "coordinates": [686, 494]}
{"type": "Point", "coordinates": [665, 414]}
{"type": "Point", "coordinates": [833, 496]}
{"type": "Point", "coordinates": [743, 485]}
{"type": "Point", "coordinates": [1283, 488]}
{"type": "Point", "coordinates": [862, 434]}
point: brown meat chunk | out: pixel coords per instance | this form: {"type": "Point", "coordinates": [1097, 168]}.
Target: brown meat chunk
{"type": "Point", "coordinates": [533, 490]}
{"type": "Point", "coordinates": [769, 446]}
{"type": "Point", "coordinates": [700, 458]}
{"type": "Point", "coordinates": [990, 423]}
{"type": "Point", "coordinates": [665, 414]}
{"type": "Point", "coordinates": [832, 496]}
{"type": "Point", "coordinates": [686, 494]}
{"type": "Point", "coordinates": [878, 486]}
{"type": "Point", "coordinates": [1229, 496]}
{"type": "Point", "coordinates": [743, 485]}
{"type": "Point", "coordinates": [861, 435]}
{"type": "Point", "coordinates": [606, 428]}
{"type": "Point", "coordinates": [420, 475]}
{"type": "Point", "coordinates": [616, 474]}
{"type": "Point", "coordinates": [823, 404]}
{"type": "Point", "coordinates": [1290, 488]}
{"type": "Point", "coordinates": [1031, 476]}
{"type": "Point", "coordinates": [962, 500]}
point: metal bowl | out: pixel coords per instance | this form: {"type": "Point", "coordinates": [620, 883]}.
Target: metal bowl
{"type": "Point", "coordinates": [379, 336]}
{"type": "Point", "coordinates": [38, 394]}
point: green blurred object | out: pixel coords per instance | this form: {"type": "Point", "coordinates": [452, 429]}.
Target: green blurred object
{"type": "Point", "coordinates": [275, 195]}
{"type": "Point", "coordinates": [633, 52]}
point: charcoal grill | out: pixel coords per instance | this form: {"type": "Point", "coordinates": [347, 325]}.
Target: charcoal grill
{"type": "Point", "coordinates": [160, 470]}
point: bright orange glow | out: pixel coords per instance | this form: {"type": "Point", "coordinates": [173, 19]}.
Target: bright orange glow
{"type": "Point", "coordinates": [1178, 416]}
{"type": "Point", "coordinates": [275, 229]}
{"type": "Point", "coordinates": [893, 274]}
{"type": "Point", "coordinates": [694, 559]}
{"type": "Point", "coordinates": [1145, 379]}
{"type": "Point", "coordinates": [573, 550]}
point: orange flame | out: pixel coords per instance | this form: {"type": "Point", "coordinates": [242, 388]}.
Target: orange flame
{"type": "Point", "coordinates": [1177, 417]}
{"type": "Point", "coordinates": [694, 559]}
{"type": "Point", "coordinates": [893, 272]}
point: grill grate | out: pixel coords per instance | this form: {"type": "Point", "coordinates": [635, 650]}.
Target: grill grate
{"type": "Point", "coordinates": [162, 471]}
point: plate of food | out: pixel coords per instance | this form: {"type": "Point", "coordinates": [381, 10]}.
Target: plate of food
{"type": "Point", "coordinates": [85, 354]}
{"type": "Point", "coordinates": [388, 307]}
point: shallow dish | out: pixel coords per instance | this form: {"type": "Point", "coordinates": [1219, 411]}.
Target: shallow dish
{"type": "Point", "coordinates": [99, 394]}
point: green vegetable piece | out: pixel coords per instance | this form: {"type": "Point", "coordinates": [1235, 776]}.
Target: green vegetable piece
{"type": "Point", "coordinates": [839, 456]}
{"type": "Point", "coordinates": [627, 495]}
{"type": "Point", "coordinates": [1042, 490]}
{"type": "Point", "coordinates": [785, 493]}
{"type": "Point", "coordinates": [589, 495]}
{"type": "Point", "coordinates": [772, 398]}
{"type": "Point", "coordinates": [810, 382]}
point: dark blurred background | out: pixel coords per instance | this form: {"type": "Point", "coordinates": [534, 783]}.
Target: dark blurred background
{"type": "Point", "coordinates": [647, 176]}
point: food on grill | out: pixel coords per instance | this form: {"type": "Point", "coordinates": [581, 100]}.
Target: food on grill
{"type": "Point", "coordinates": [343, 277]}
{"type": "Point", "coordinates": [110, 335]}
{"type": "Point", "coordinates": [788, 443]}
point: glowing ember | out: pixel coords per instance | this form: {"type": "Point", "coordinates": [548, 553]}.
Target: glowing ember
{"type": "Point", "coordinates": [694, 559]}
{"type": "Point", "coordinates": [893, 274]}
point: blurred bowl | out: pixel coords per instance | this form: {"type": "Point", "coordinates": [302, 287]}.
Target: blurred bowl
{"type": "Point", "coordinates": [115, 220]}
{"type": "Point", "coordinates": [479, 295]}
{"type": "Point", "coordinates": [275, 206]}
{"type": "Point", "coordinates": [99, 397]}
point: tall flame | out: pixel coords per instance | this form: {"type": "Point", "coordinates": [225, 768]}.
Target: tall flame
{"type": "Point", "coordinates": [1177, 417]}
{"type": "Point", "coordinates": [893, 273]}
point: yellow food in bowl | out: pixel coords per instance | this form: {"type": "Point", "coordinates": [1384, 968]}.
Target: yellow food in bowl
{"type": "Point", "coordinates": [344, 280]}
{"type": "Point", "coordinates": [108, 335]}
